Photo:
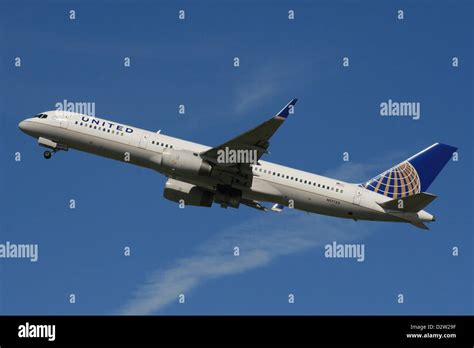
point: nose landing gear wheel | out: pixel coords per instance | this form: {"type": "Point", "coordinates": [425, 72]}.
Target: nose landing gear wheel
{"type": "Point", "coordinates": [47, 154]}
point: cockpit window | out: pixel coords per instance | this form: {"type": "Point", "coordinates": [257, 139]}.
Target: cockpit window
{"type": "Point", "coordinates": [42, 116]}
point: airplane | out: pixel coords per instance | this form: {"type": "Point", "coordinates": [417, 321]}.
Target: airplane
{"type": "Point", "coordinates": [200, 175]}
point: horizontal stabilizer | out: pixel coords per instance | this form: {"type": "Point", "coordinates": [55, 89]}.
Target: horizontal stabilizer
{"type": "Point", "coordinates": [409, 204]}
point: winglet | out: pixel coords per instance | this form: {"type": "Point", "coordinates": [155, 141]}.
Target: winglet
{"type": "Point", "coordinates": [277, 208]}
{"type": "Point", "coordinates": [286, 110]}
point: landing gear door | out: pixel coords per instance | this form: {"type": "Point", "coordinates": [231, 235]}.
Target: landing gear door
{"type": "Point", "coordinates": [358, 195]}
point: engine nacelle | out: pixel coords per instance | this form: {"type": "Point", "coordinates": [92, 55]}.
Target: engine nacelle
{"type": "Point", "coordinates": [176, 191]}
{"type": "Point", "coordinates": [185, 162]}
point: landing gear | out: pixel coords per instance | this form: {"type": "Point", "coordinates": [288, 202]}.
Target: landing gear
{"type": "Point", "coordinates": [52, 146]}
{"type": "Point", "coordinates": [47, 154]}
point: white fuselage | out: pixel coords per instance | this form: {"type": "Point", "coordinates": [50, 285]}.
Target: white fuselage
{"type": "Point", "coordinates": [271, 182]}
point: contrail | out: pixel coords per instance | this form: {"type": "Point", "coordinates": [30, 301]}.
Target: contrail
{"type": "Point", "coordinates": [260, 241]}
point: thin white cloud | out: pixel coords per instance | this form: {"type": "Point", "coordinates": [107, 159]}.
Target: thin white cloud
{"type": "Point", "coordinates": [260, 240]}
{"type": "Point", "coordinates": [354, 172]}
{"type": "Point", "coordinates": [361, 172]}
{"type": "Point", "coordinates": [259, 86]}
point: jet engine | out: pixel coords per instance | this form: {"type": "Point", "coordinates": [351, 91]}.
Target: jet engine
{"type": "Point", "coordinates": [185, 162]}
{"type": "Point", "coordinates": [176, 191]}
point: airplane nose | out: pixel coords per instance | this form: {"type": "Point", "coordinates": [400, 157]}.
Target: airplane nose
{"type": "Point", "coordinates": [22, 125]}
{"type": "Point", "coordinates": [25, 126]}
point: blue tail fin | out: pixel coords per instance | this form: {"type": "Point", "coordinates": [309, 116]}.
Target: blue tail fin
{"type": "Point", "coordinates": [413, 175]}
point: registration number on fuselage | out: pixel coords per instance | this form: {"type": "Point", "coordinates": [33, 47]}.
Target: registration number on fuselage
{"type": "Point", "coordinates": [333, 201]}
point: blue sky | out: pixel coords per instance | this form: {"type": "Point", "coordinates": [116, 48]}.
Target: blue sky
{"type": "Point", "coordinates": [191, 62]}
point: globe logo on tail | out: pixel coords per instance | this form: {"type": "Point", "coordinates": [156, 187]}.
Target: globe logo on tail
{"type": "Point", "coordinates": [400, 181]}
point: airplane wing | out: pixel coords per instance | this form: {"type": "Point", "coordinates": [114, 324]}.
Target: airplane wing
{"type": "Point", "coordinates": [257, 139]}
{"type": "Point", "coordinates": [256, 205]}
